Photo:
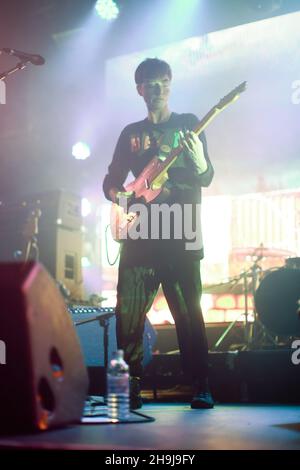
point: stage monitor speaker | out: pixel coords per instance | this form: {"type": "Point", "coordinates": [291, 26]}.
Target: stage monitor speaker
{"type": "Point", "coordinates": [42, 373]}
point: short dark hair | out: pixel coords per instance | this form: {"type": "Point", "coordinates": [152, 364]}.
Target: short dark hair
{"type": "Point", "coordinates": [151, 68]}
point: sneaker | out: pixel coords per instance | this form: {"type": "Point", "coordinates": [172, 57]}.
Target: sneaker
{"type": "Point", "coordinates": [136, 401]}
{"type": "Point", "coordinates": [202, 398]}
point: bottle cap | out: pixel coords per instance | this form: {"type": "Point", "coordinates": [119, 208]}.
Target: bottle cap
{"type": "Point", "coordinates": [119, 354]}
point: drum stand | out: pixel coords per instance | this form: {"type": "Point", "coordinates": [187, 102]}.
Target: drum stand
{"type": "Point", "coordinates": [243, 276]}
{"type": "Point", "coordinates": [252, 330]}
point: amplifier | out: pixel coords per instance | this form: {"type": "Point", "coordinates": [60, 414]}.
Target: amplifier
{"type": "Point", "coordinates": [58, 207]}
{"type": "Point", "coordinates": [91, 333]}
{"type": "Point", "coordinates": [57, 231]}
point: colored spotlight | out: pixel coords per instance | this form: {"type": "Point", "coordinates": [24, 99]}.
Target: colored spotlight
{"type": "Point", "coordinates": [107, 9]}
{"type": "Point", "coordinates": [81, 151]}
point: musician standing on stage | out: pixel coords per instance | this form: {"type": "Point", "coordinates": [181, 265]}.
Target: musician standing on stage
{"type": "Point", "coordinates": [174, 263]}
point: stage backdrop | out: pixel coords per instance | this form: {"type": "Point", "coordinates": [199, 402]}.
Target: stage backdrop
{"type": "Point", "coordinates": [255, 143]}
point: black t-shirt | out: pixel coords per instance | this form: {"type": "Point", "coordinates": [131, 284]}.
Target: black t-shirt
{"type": "Point", "coordinates": [137, 145]}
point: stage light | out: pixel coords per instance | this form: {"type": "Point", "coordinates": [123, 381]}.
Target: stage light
{"type": "Point", "coordinates": [85, 262]}
{"type": "Point", "coordinates": [81, 151]}
{"type": "Point", "coordinates": [86, 207]}
{"type": "Point", "coordinates": [107, 9]}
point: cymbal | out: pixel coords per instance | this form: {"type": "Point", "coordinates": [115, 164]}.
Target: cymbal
{"type": "Point", "coordinates": [224, 288]}
{"type": "Point", "coordinates": [260, 252]}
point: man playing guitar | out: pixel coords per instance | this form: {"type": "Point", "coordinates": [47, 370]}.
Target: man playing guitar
{"type": "Point", "coordinates": [147, 262]}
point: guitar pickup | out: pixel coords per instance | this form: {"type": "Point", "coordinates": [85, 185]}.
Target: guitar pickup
{"type": "Point", "coordinates": [147, 185]}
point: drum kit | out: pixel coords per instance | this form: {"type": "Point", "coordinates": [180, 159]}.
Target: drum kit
{"type": "Point", "coordinates": [276, 303]}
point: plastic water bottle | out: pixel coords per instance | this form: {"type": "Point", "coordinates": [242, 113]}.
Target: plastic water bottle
{"type": "Point", "coordinates": [118, 387]}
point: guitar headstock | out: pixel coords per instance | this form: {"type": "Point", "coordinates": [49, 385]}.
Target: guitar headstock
{"type": "Point", "coordinates": [231, 96]}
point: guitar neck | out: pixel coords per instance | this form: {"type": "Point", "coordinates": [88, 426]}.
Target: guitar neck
{"type": "Point", "coordinates": [198, 129]}
{"type": "Point", "coordinates": [206, 120]}
{"type": "Point", "coordinates": [164, 164]}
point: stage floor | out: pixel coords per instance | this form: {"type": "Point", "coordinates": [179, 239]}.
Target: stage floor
{"type": "Point", "coordinates": [178, 427]}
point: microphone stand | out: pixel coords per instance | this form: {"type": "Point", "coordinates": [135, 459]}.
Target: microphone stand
{"type": "Point", "coordinates": [104, 323]}
{"type": "Point", "coordinates": [32, 244]}
{"type": "Point", "coordinates": [20, 66]}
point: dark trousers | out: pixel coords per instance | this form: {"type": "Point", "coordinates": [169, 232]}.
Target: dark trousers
{"type": "Point", "coordinates": [181, 284]}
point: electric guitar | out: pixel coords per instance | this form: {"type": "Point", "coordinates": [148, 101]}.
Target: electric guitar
{"type": "Point", "coordinates": [149, 184]}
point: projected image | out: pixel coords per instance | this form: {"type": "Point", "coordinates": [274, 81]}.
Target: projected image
{"type": "Point", "coordinates": [254, 144]}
